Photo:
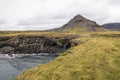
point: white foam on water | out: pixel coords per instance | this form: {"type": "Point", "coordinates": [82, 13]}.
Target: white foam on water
{"type": "Point", "coordinates": [20, 55]}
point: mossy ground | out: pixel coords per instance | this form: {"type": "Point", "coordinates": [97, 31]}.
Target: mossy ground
{"type": "Point", "coordinates": [34, 33]}
{"type": "Point", "coordinates": [97, 57]}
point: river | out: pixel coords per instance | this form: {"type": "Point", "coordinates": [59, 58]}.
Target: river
{"type": "Point", "coordinates": [12, 65]}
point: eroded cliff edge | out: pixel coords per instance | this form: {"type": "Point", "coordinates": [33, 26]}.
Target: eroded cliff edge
{"type": "Point", "coordinates": [35, 44]}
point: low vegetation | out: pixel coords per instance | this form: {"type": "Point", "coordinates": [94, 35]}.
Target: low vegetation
{"type": "Point", "coordinates": [97, 57]}
{"type": "Point", "coordinates": [34, 33]}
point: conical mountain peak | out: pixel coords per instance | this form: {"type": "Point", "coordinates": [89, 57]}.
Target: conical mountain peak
{"type": "Point", "coordinates": [77, 18]}
{"type": "Point", "coordinates": [80, 23]}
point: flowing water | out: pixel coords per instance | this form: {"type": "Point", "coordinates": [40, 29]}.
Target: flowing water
{"type": "Point", "coordinates": [12, 65]}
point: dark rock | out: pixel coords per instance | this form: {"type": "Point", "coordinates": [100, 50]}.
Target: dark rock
{"type": "Point", "coordinates": [6, 50]}
{"type": "Point", "coordinates": [36, 44]}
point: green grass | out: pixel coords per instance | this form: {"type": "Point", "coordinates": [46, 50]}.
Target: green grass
{"type": "Point", "coordinates": [97, 57]}
{"type": "Point", "coordinates": [36, 33]}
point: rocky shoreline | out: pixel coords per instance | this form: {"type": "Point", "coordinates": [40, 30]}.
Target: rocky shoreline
{"type": "Point", "coordinates": [25, 55]}
{"type": "Point", "coordinates": [35, 44]}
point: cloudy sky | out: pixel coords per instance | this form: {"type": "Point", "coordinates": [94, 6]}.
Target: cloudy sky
{"type": "Point", "coordinates": [47, 14]}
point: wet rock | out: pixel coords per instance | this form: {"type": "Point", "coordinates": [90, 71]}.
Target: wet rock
{"type": "Point", "coordinates": [36, 44]}
{"type": "Point", "coordinates": [7, 49]}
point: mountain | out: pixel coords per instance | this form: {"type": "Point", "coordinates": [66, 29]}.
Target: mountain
{"type": "Point", "coordinates": [80, 23]}
{"type": "Point", "coordinates": [112, 26]}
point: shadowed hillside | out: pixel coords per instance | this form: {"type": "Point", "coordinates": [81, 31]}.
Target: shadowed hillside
{"type": "Point", "coordinates": [112, 26]}
{"type": "Point", "coordinates": [80, 24]}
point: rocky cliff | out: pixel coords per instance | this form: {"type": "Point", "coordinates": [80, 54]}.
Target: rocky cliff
{"type": "Point", "coordinates": [35, 44]}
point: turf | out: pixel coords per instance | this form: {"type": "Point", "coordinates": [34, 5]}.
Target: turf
{"type": "Point", "coordinates": [97, 57]}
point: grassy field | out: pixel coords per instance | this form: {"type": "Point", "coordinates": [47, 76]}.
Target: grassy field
{"type": "Point", "coordinates": [36, 33]}
{"type": "Point", "coordinates": [97, 57]}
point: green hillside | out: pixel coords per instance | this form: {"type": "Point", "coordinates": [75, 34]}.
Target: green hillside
{"type": "Point", "coordinates": [97, 57]}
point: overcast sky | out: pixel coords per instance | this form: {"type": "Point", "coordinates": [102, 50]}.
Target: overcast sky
{"type": "Point", "coordinates": [47, 14]}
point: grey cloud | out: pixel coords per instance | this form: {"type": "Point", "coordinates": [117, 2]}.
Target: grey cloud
{"type": "Point", "coordinates": [42, 21]}
{"type": "Point", "coordinates": [29, 27]}
{"type": "Point", "coordinates": [2, 22]}
{"type": "Point", "coordinates": [114, 2]}
{"type": "Point", "coordinates": [45, 14]}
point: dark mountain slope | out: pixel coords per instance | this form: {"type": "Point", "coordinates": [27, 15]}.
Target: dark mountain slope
{"type": "Point", "coordinates": [80, 23]}
{"type": "Point", "coordinates": [112, 26]}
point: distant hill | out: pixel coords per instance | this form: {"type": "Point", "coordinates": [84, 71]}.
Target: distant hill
{"type": "Point", "coordinates": [112, 26]}
{"type": "Point", "coordinates": [80, 23]}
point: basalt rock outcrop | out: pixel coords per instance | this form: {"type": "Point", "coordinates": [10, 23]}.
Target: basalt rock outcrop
{"type": "Point", "coordinates": [35, 44]}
